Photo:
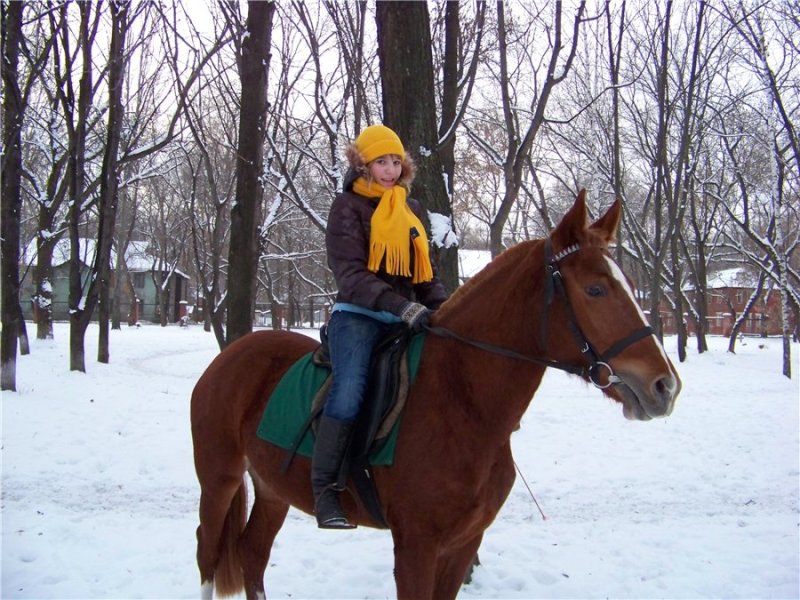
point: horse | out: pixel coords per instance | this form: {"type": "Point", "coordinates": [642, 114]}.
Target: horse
{"type": "Point", "coordinates": [560, 302]}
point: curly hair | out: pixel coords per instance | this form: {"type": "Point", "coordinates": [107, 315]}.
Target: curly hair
{"type": "Point", "coordinates": [359, 165]}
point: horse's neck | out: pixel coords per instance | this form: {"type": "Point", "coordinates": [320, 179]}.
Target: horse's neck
{"type": "Point", "coordinates": [502, 307]}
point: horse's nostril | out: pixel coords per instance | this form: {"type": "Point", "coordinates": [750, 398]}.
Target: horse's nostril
{"type": "Point", "coordinates": [663, 388]}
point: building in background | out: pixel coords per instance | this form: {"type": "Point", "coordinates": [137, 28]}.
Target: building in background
{"type": "Point", "coordinates": [147, 289]}
{"type": "Point", "coordinates": [728, 292]}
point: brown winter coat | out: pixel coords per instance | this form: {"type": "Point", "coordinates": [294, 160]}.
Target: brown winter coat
{"type": "Point", "coordinates": [347, 241]}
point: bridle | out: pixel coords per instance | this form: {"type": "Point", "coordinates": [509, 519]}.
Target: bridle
{"type": "Point", "coordinates": [597, 361]}
{"type": "Point", "coordinates": [554, 286]}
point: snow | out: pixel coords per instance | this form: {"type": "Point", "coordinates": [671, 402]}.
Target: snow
{"type": "Point", "coordinates": [728, 278]}
{"type": "Point", "coordinates": [472, 261]}
{"type": "Point", "coordinates": [442, 232]}
{"type": "Point", "coordinates": [99, 498]}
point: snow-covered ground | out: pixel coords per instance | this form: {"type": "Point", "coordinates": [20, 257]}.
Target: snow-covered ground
{"type": "Point", "coordinates": [99, 498]}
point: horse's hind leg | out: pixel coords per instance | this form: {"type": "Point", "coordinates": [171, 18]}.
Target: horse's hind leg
{"type": "Point", "coordinates": [223, 507]}
{"type": "Point", "coordinates": [266, 518]}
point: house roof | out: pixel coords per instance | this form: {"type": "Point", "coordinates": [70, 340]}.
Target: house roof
{"type": "Point", "coordinates": [735, 277]}
{"type": "Point", "coordinates": [137, 258]}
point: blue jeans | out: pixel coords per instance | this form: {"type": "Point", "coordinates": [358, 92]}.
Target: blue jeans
{"type": "Point", "coordinates": [352, 337]}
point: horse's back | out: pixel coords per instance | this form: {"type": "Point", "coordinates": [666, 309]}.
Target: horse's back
{"type": "Point", "coordinates": [240, 378]}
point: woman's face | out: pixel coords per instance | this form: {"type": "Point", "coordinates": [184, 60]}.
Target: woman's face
{"type": "Point", "coordinates": [385, 170]}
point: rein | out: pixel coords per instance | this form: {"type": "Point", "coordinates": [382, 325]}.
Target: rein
{"type": "Point", "coordinates": [555, 285]}
{"type": "Point", "coordinates": [508, 353]}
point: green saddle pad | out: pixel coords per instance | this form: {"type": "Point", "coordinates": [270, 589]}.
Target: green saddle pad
{"type": "Point", "coordinates": [290, 405]}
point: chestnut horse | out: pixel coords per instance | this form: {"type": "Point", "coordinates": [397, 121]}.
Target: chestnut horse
{"type": "Point", "coordinates": [559, 302]}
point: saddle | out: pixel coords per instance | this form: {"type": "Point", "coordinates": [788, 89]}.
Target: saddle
{"type": "Point", "coordinates": [384, 400]}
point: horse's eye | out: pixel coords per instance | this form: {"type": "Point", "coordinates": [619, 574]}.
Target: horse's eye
{"type": "Point", "coordinates": [596, 291]}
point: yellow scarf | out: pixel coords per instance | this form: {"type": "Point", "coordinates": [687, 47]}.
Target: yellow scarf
{"type": "Point", "coordinates": [392, 223]}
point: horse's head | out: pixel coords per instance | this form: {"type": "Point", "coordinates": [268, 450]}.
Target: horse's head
{"type": "Point", "coordinates": [594, 317]}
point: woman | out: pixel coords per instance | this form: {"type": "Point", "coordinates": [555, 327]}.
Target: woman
{"type": "Point", "coordinates": [378, 253]}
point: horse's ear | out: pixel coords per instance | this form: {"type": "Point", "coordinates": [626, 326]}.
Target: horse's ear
{"type": "Point", "coordinates": [608, 223]}
{"type": "Point", "coordinates": [572, 225]}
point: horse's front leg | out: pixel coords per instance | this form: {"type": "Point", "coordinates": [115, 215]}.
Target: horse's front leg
{"type": "Point", "coordinates": [415, 565]}
{"type": "Point", "coordinates": [452, 568]}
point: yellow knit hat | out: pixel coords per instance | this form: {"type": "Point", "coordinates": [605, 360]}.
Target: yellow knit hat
{"type": "Point", "coordinates": [378, 140]}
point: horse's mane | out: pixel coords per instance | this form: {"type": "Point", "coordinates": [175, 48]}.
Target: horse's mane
{"type": "Point", "coordinates": [510, 257]}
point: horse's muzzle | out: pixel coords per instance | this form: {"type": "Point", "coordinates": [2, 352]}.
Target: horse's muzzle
{"type": "Point", "coordinates": [642, 402]}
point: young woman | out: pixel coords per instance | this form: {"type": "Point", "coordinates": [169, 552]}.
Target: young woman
{"type": "Point", "coordinates": [378, 252]}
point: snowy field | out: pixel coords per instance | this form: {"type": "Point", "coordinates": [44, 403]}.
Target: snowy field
{"type": "Point", "coordinates": [99, 498]}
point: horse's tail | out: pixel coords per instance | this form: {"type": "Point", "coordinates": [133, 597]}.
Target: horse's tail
{"type": "Point", "coordinates": [228, 577]}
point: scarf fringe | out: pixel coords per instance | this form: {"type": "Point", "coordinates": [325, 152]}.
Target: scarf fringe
{"type": "Point", "coordinates": [397, 261]}
{"type": "Point", "coordinates": [422, 266]}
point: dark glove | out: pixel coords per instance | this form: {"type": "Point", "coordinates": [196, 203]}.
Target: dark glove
{"type": "Point", "coordinates": [416, 316]}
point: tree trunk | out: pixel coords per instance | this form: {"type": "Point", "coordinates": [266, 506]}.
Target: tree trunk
{"type": "Point", "coordinates": [448, 255]}
{"type": "Point", "coordinates": [109, 176]}
{"type": "Point", "coordinates": [80, 307]}
{"type": "Point", "coordinates": [163, 302]}
{"type": "Point", "coordinates": [680, 322]}
{"type": "Point", "coordinates": [738, 321]}
{"type": "Point", "coordinates": [659, 242]}
{"type": "Point", "coordinates": [43, 281]}
{"type": "Point", "coordinates": [22, 334]}
{"type": "Point", "coordinates": [121, 283]}
{"type": "Point", "coordinates": [243, 256]}
{"type": "Point", "coordinates": [13, 110]}
{"type": "Point", "coordinates": [614, 59]}
{"type": "Point", "coordinates": [409, 107]}
{"type": "Point", "coordinates": [701, 299]}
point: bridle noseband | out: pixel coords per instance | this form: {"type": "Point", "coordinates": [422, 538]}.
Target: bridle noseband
{"type": "Point", "coordinates": [554, 285]}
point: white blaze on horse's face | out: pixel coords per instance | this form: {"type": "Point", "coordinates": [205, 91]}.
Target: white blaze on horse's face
{"type": "Point", "coordinates": [617, 273]}
{"type": "Point", "coordinates": [666, 389]}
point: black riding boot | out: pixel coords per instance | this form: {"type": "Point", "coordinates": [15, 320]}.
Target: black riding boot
{"type": "Point", "coordinates": [330, 446]}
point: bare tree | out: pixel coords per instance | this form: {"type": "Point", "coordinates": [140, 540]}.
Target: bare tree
{"type": "Point", "coordinates": [46, 184]}
{"type": "Point", "coordinates": [458, 73]}
{"type": "Point", "coordinates": [522, 124]}
{"type": "Point", "coordinates": [76, 106]}
{"type": "Point", "coordinates": [769, 221]}
{"type": "Point", "coordinates": [109, 175]}
{"type": "Point", "coordinates": [666, 111]}
{"type": "Point", "coordinates": [253, 65]}
{"type": "Point", "coordinates": [407, 73]}
{"type": "Point", "coordinates": [755, 25]}
{"type": "Point", "coordinates": [349, 22]}
{"type": "Point", "coordinates": [13, 111]}
{"type": "Point", "coordinates": [35, 47]}
{"type": "Point", "coordinates": [205, 174]}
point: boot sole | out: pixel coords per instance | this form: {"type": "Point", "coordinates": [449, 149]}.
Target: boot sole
{"type": "Point", "coordinates": [336, 523]}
